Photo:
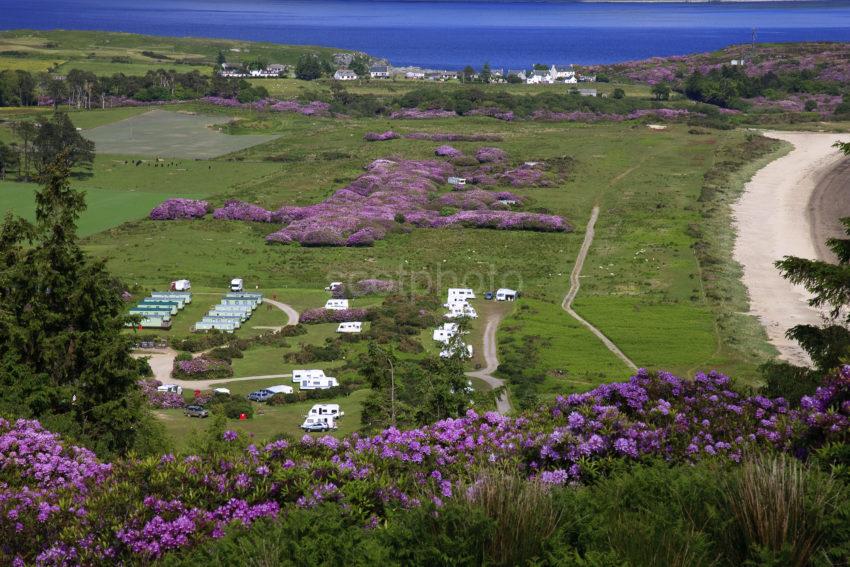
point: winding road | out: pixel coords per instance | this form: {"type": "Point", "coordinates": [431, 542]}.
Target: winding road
{"type": "Point", "coordinates": [503, 404]}
{"type": "Point", "coordinates": [162, 360]}
{"type": "Point", "coordinates": [575, 284]}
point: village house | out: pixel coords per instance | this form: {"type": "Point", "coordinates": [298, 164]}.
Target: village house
{"type": "Point", "coordinates": [538, 77]}
{"type": "Point", "coordinates": [565, 73]}
{"type": "Point", "coordinates": [379, 72]}
{"type": "Point", "coordinates": [441, 75]}
{"type": "Point", "coordinates": [345, 75]}
{"type": "Point", "coordinates": [518, 73]}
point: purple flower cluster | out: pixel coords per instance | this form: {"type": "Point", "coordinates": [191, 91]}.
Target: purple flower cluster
{"type": "Point", "coordinates": [525, 176]}
{"type": "Point", "coordinates": [492, 112]}
{"type": "Point", "coordinates": [381, 136]}
{"type": "Point", "coordinates": [476, 199]}
{"type": "Point", "coordinates": [322, 315]}
{"type": "Point", "coordinates": [240, 211]}
{"type": "Point", "coordinates": [174, 209]}
{"type": "Point", "coordinates": [489, 155]}
{"type": "Point", "coordinates": [448, 151]}
{"type": "Point", "coordinates": [157, 399]}
{"type": "Point", "coordinates": [824, 104]}
{"type": "Point", "coordinates": [201, 367]}
{"type": "Point", "coordinates": [50, 512]}
{"type": "Point", "coordinates": [374, 286]}
{"type": "Point", "coordinates": [451, 137]}
{"type": "Point", "coordinates": [418, 114]}
{"type": "Point", "coordinates": [585, 116]}
{"type": "Point", "coordinates": [313, 108]}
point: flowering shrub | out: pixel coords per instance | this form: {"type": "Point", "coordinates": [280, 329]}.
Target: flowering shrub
{"type": "Point", "coordinates": [157, 399]}
{"type": "Point", "coordinates": [585, 116]}
{"type": "Point", "coordinates": [201, 367]}
{"type": "Point", "coordinates": [497, 113]}
{"type": "Point", "coordinates": [173, 209]}
{"type": "Point", "coordinates": [237, 210]}
{"type": "Point", "coordinates": [322, 315]}
{"type": "Point", "coordinates": [417, 114]}
{"type": "Point", "coordinates": [488, 155]}
{"type": "Point", "coordinates": [314, 108]}
{"type": "Point", "coordinates": [381, 137]}
{"type": "Point", "coordinates": [448, 151]}
{"type": "Point", "coordinates": [60, 505]}
{"type": "Point", "coordinates": [373, 286]}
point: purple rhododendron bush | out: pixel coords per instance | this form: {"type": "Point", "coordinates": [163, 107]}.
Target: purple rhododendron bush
{"type": "Point", "coordinates": [313, 108]}
{"type": "Point", "coordinates": [176, 209]}
{"type": "Point", "coordinates": [60, 505]}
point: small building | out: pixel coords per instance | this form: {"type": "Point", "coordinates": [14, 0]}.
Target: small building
{"type": "Point", "coordinates": [350, 327]}
{"type": "Point", "coordinates": [539, 77]}
{"type": "Point", "coordinates": [518, 73]}
{"type": "Point", "coordinates": [379, 72]}
{"type": "Point", "coordinates": [345, 75]}
{"type": "Point", "coordinates": [506, 294]}
{"type": "Point", "coordinates": [588, 92]}
{"type": "Point", "coordinates": [336, 304]}
{"type": "Point", "coordinates": [277, 69]}
{"type": "Point", "coordinates": [587, 78]}
{"type": "Point", "coordinates": [441, 75]}
{"type": "Point", "coordinates": [738, 62]}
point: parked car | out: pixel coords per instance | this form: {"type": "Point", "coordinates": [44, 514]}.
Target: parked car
{"type": "Point", "coordinates": [319, 424]}
{"type": "Point", "coordinates": [260, 396]}
{"type": "Point", "coordinates": [196, 411]}
{"type": "Point", "coordinates": [488, 295]}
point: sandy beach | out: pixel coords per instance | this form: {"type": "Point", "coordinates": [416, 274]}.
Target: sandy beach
{"type": "Point", "coordinates": [788, 208]}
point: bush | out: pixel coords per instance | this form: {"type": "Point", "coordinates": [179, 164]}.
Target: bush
{"type": "Point", "coordinates": [230, 407]}
{"type": "Point", "coordinates": [197, 343]}
{"type": "Point", "coordinates": [331, 350]}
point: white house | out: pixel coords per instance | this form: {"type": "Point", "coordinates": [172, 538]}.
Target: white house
{"type": "Point", "coordinates": [345, 75]}
{"type": "Point", "coordinates": [539, 77]}
{"type": "Point", "coordinates": [506, 294]}
{"type": "Point", "coordinates": [518, 73]}
{"type": "Point", "coordinates": [463, 293]}
{"type": "Point", "coordinates": [276, 68]}
{"type": "Point", "coordinates": [352, 327]}
{"type": "Point", "coordinates": [444, 333]}
{"type": "Point", "coordinates": [466, 351]}
{"type": "Point", "coordinates": [299, 375]}
{"type": "Point", "coordinates": [322, 383]}
{"type": "Point", "coordinates": [565, 73]}
{"type": "Point", "coordinates": [336, 304]}
{"type": "Point", "coordinates": [379, 72]}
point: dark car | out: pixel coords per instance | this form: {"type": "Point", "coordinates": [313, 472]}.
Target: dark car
{"type": "Point", "coordinates": [489, 295]}
{"type": "Point", "coordinates": [260, 396]}
{"type": "Point", "coordinates": [196, 411]}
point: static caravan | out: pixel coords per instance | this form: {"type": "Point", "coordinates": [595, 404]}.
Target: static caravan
{"type": "Point", "coordinates": [465, 352]}
{"type": "Point", "coordinates": [184, 295]}
{"type": "Point", "coordinates": [226, 327]}
{"type": "Point", "coordinates": [239, 301]}
{"type": "Point", "coordinates": [445, 332]}
{"type": "Point", "coordinates": [280, 389]}
{"type": "Point", "coordinates": [299, 375]}
{"type": "Point", "coordinates": [505, 294]}
{"type": "Point", "coordinates": [336, 304]}
{"type": "Point", "coordinates": [178, 301]}
{"type": "Point", "coordinates": [352, 327]}
{"type": "Point", "coordinates": [153, 322]}
{"type": "Point", "coordinates": [159, 313]}
{"type": "Point", "coordinates": [181, 285]}
{"type": "Point", "coordinates": [170, 305]}
{"type": "Point", "coordinates": [235, 321]}
{"type": "Point", "coordinates": [322, 383]}
{"type": "Point", "coordinates": [465, 310]}
{"type": "Point", "coordinates": [242, 316]}
{"type": "Point", "coordinates": [324, 410]}
{"type": "Point", "coordinates": [456, 293]}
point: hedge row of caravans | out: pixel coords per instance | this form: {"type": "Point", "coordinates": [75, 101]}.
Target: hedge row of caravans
{"type": "Point", "coordinates": [231, 312]}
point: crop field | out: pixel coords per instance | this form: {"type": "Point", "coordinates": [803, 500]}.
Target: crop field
{"type": "Point", "coordinates": [169, 134]}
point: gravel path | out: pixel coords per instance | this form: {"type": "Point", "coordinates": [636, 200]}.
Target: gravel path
{"type": "Point", "coordinates": [575, 284]}
{"type": "Point", "coordinates": [503, 404]}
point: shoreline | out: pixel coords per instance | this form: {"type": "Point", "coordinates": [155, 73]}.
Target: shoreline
{"type": "Point", "coordinates": [768, 225]}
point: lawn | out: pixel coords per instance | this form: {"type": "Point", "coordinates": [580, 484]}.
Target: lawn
{"type": "Point", "coordinates": [268, 421]}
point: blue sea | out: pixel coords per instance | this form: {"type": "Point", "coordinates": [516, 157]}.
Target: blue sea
{"type": "Point", "coordinates": [451, 34]}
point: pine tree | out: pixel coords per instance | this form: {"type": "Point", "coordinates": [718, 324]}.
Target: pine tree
{"type": "Point", "coordinates": [63, 358]}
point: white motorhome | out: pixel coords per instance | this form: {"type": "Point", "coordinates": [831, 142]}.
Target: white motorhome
{"type": "Point", "coordinates": [336, 304]}
{"type": "Point", "coordinates": [460, 293]}
{"type": "Point", "coordinates": [299, 375]}
{"type": "Point", "coordinates": [466, 351]}
{"type": "Point", "coordinates": [464, 310]}
{"type": "Point", "coordinates": [455, 303]}
{"type": "Point", "coordinates": [236, 284]}
{"type": "Point", "coordinates": [320, 410]}
{"type": "Point", "coordinates": [280, 389]}
{"type": "Point", "coordinates": [323, 383]}
{"type": "Point", "coordinates": [351, 327]}
{"type": "Point", "coordinates": [445, 332]}
{"type": "Point", "coordinates": [170, 388]}
{"type": "Point", "coordinates": [506, 294]}
{"type": "Point", "coordinates": [181, 285]}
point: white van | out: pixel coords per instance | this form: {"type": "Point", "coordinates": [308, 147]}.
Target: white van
{"type": "Point", "coordinates": [323, 383]}
{"type": "Point", "coordinates": [299, 375]}
{"type": "Point", "coordinates": [324, 410]}
{"type": "Point", "coordinates": [280, 389]}
{"type": "Point", "coordinates": [236, 284]}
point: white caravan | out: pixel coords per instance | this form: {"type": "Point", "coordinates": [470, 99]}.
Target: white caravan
{"type": "Point", "coordinates": [323, 383]}
{"type": "Point", "coordinates": [351, 327]}
{"type": "Point", "coordinates": [320, 410]}
{"type": "Point", "coordinates": [460, 293]}
{"type": "Point", "coordinates": [236, 284]}
{"type": "Point", "coordinates": [170, 388]}
{"type": "Point", "coordinates": [299, 375]}
{"type": "Point", "coordinates": [466, 351]}
{"type": "Point", "coordinates": [336, 304]}
{"type": "Point", "coordinates": [280, 389]}
{"type": "Point", "coordinates": [506, 294]}
{"type": "Point", "coordinates": [445, 332]}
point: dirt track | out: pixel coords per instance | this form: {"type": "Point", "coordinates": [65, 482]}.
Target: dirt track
{"type": "Point", "coordinates": [503, 404]}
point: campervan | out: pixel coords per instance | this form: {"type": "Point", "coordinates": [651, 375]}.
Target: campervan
{"type": "Point", "coordinates": [236, 284]}
{"type": "Point", "coordinates": [505, 294]}
{"type": "Point", "coordinates": [445, 332]}
{"type": "Point", "coordinates": [181, 285]}
{"type": "Point", "coordinates": [299, 375]}
{"type": "Point", "coordinates": [465, 352]}
{"type": "Point", "coordinates": [464, 310]}
{"type": "Point", "coordinates": [320, 410]}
